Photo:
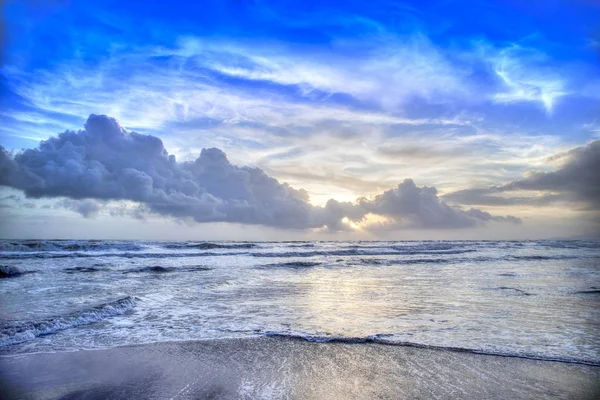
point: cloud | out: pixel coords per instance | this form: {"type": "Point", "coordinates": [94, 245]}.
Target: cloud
{"type": "Point", "coordinates": [483, 197]}
{"type": "Point", "coordinates": [253, 98]}
{"type": "Point", "coordinates": [578, 176]}
{"type": "Point", "coordinates": [88, 208]}
{"type": "Point", "coordinates": [576, 180]}
{"type": "Point", "coordinates": [411, 206]}
{"type": "Point", "coordinates": [106, 162]}
{"type": "Point", "coordinates": [526, 77]}
{"type": "Point", "coordinates": [412, 66]}
{"type": "Point", "coordinates": [420, 152]}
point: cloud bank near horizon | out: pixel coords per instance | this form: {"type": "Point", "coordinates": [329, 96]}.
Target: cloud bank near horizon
{"type": "Point", "coordinates": [105, 162]}
{"type": "Point", "coordinates": [576, 181]}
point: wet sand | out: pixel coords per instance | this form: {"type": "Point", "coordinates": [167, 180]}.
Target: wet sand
{"type": "Point", "coordinates": [275, 368]}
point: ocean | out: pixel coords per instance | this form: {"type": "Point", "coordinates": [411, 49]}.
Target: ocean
{"type": "Point", "coordinates": [530, 299]}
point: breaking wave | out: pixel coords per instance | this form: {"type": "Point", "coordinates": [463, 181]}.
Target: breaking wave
{"type": "Point", "coordinates": [26, 331]}
{"type": "Point", "coordinates": [210, 246]}
{"type": "Point", "coordinates": [349, 252]}
{"type": "Point", "coordinates": [67, 245]}
{"type": "Point", "coordinates": [23, 256]}
{"type": "Point", "coordinates": [438, 251]}
{"type": "Point", "coordinates": [387, 339]}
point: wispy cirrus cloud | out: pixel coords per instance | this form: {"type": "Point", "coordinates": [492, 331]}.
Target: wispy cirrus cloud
{"type": "Point", "coordinates": [527, 77]}
{"type": "Point", "coordinates": [273, 97]}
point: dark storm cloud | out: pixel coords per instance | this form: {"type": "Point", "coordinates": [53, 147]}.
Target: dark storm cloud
{"type": "Point", "coordinates": [577, 180]}
{"type": "Point", "coordinates": [106, 162]}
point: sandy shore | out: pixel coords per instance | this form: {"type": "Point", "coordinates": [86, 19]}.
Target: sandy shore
{"type": "Point", "coordinates": [285, 368]}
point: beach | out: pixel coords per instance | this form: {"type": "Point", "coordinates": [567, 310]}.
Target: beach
{"type": "Point", "coordinates": [300, 320]}
{"type": "Point", "coordinates": [275, 368]}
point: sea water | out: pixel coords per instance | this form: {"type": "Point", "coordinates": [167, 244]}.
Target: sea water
{"type": "Point", "coordinates": [536, 299]}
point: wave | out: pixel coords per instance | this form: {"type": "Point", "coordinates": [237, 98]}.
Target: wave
{"type": "Point", "coordinates": [292, 264]}
{"type": "Point", "coordinates": [157, 269]}
{"type": "Point", "coordinates": [358, 251]}
{"type": "Point", "coordinates": [592, 290]}
{"type": "Point", "coordinates": [10, 271]}
{"type": "Point", "coordinates": [210, 246]}
{"type": "Point", "coordinates": [51, 249]}
{"type": "Point", "coordinates": [385, 340]}
{"type": "Point", "coordinates": [24, 332]}
{"type": "Point", "coordinates": [298, 254]}
{"type": "Point", "coordinates": [396, 261]}
{"type": "Point", "coordinates": [339, 253]}
{"type": "Point", "coordinates": [24, 256]}
{"type": "Point", "coordinates": [455, 260]}
{"type": "Point", "coordinates": [437, 252]}
{"type": "Point", "coordinates": [404, 247]}
{"type": "Point", "coordinates": [82, 269]}
{"type": "Point", "coordinates": [67, 245]}
{"type": "Point", "coordinates": [570, 244]}
{"type": "Point", "coordinates": [394, 251]}
{"type": "Point", "coordinates": [435, 245]}
{"type": "Point", "coordinates": [540, 257]}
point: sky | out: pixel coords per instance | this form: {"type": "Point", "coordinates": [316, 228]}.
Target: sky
{"type": "Point", "coordinates": [299, 120]}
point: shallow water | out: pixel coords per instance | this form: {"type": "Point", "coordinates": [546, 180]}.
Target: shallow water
{"type": "Point", "coordinates": [538, 299]}
{"type": "Point", "coordinates": [274, 368]}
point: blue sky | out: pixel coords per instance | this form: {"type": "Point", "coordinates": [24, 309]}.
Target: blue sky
{"type": "Point", "coordinates": [343, 99]}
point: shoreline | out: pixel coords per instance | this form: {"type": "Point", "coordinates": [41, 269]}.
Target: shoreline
{"type": "Point", "coordinates": [325, 340]}
{"type": "Point", "coordinates": [275, 367]}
